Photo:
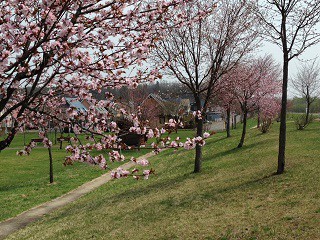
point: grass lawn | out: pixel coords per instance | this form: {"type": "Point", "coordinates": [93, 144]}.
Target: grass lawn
{"type": "Point", "coordinates": [235, 197]}
{"type": "Point", "coordinates": [24, 180]}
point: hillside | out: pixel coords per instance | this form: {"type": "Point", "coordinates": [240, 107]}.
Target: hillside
{"type": "Point", "coordinates": [237, 196]}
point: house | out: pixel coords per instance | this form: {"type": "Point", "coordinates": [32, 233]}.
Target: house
{"type": "Point", "coordinates": [214, 114]}
{"type": "Point", "coordinates": [158, 110]}
{"type": "Point", "coordinates": [185, 105]}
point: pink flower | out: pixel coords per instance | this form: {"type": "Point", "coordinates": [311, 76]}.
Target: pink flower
{"type": "Point", "coordinates": [173, 144]}
{"type": "Point", "coordinates": [206, 135]}
{"type": "Point", "coordinates": [47, 143]}
{"type": "Point", "coordinates": [115, 175]}
{"type": "Point", "coordinates": [150, 134]}
{"type": "Point", "coordinates": [189, 144]}
{"type": "Point", "coordinates": [99, 146]}
{"type": "Point", "coordinates": [143, 162]}
{"type": "Point", "coordinates": [146, 174]}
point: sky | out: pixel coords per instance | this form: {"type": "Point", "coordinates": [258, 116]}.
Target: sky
{"type": "Point", "coordinates": [309, 55]}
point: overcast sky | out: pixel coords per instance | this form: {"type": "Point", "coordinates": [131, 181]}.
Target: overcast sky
{"type": "Point", "coordinates": [309, 55]}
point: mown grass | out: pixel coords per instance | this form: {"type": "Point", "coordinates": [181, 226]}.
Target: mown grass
{"type": "Point", "coordinates": [237, 196]}
{"type": "Point", "coordinates": [24, 180]}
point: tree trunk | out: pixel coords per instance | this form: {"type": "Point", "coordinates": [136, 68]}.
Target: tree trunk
{"type": "Point", "coordinates": [235, 121]}
{"type": "Point", "coordinates": [307, 113]}
{"type": "Point", "coordinates": [7, 141]}
{"type": "Point", "coordinates": [244, 129]}
{"type": "Point", "coordinates": [50, 165]}
{"type": "Point", "coordinates": [228, 123]}
{"type": "Point", "coordinates": [259, 120]}
{"type": "Point", "coordinates": [55, 136]}
{"type": "Point", "coordinates": [283, 117]}
{"type": "Point", "coordinates": [198, 157]}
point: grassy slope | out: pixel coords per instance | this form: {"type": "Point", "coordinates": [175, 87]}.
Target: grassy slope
{"type": "Point", "coordinates": [235, 197]}
{"type": "Point", "coordinates": [24, 181]}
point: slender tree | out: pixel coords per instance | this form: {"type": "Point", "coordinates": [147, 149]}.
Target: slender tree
{"type": "Point", "coordinates": [307, 84]}
{"type": "Point", "coordinates": [292, 25]}
{"type": "Point", "coordinates": [252, 83]}
{"type": "Point", "coordinates": [227, 100]}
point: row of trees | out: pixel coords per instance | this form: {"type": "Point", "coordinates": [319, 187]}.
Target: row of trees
{"type": "Point", "coordinates": [52, 49]}
{"type": "Point", "coordinates": [201, 55]}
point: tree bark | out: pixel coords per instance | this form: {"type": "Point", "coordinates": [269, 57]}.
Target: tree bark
{"type": "Point", "coordinates": [244, 129]}
{"type": "Point", "coordinates": [228, 123]}
{"type": "Point", "coordinates": [50, 165]}
{"type": "Point", "coordinates": [307, 112]}
{"type": "Point", "coordinates": [7, 141]}
{"type": "Point", "coordinates": [198, 157]}
{"type": "Point", "coordinates": [283, 116]}
{"type": "Point", "coordinates": [55, 136]}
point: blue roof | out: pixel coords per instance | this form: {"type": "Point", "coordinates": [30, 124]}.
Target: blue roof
{"type": "Point", "coordinates": [73, 102]}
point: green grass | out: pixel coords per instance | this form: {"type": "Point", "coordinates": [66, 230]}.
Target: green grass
{"type": "Point", "coordinates": [24, 180]}
{"type": "Point", "coordinates": [237, 195]}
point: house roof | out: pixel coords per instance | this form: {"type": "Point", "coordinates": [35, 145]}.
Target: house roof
{"type": "Point", "coordinates": [73, 102]}
{"type": "Point", "coordinates": [99, 109]}
{"type": "Point", "coordinates": [157, 98]}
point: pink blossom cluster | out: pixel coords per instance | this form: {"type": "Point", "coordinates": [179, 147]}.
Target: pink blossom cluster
{"type": "Point", "coordinates": [197, 114]}
{"type": "Point", "coordinates": [206, 135]}
{"type": "Point", "coordinates": [27, 149]}
{"type": "Point", "coordinates": [191, 143]}
{"type": "Point", "coordinates": [116, 156]}
{"type": "Point", "coordinates": [143, 162]}
{"type": "Point", "coordinates": [67, 49]}
{"type": "Point", "coordinates": [121, 173]}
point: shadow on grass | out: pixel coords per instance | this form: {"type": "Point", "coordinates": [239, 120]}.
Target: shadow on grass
{"type": "Point", "coordinates": [236, 150]}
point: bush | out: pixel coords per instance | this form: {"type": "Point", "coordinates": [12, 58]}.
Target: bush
{"type": "Point", "coordinates": [188, 121]}
{"type": "Point", "coordinates": [302, 122]}
{"type": "Point", "coordinates": [265, 125]}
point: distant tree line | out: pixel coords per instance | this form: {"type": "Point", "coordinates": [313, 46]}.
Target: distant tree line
{"type": "Point", "coordinates": [298, 105]}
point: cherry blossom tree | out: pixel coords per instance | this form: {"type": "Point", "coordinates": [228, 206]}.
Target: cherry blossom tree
{"type": "Point", "coordinates": [53, 48]}
{"type": "Point", "coordinates": [198, 55]}
{"type": "Point", "coordinates": [268, 108]}
{"type": "Point", "coordinates": [293, 26]}
{"type": "Point", "coordinates": [253, 84]}
{"type": "Point", "coordinates": [227, 99]}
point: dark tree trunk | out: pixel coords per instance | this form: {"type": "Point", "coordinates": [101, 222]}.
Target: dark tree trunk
{"type": "Point", "coordinates": [55, 136]}
{"type": "Point", "coordinates": [259, 120]}
{"type": "Point", "coordinates": [244, 129]}
{"type": "Point", "coordinates": [198, 157]}
{"type": "Point", "coordinates": [283, 117]}
{"type": "Point", "coordinates": [235, 122]}
{"type": "Point", "coordinates": [228, 123]}
{"type": "Point", "coordinates": [7, 141]}
{"type": "Point", "coordinates": [50, 165]}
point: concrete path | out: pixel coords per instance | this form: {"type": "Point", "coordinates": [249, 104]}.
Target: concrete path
{"type": "Point", "coordinates": [14, 224]}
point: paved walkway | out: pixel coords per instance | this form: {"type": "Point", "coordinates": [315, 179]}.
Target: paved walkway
{"type": "Point", "coordinates": [14, 224]}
